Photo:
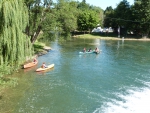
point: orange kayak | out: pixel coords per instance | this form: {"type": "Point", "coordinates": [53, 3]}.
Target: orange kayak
{"type": "Point", "coordinates": [31, 64]}
{"type": "Point", "coordinates": [44, 69]}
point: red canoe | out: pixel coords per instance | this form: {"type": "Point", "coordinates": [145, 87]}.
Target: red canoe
{"type": "Point", "coordinates": [31, 64]}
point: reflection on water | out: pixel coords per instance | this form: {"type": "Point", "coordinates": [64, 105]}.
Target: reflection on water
{"type": "Point", "coordinates": [114, 81]}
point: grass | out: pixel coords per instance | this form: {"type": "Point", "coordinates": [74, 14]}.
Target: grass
{"type": "Point", "coordinates": [38, 47]}
{"type": "Point", "coordinates": [111, 36]}
{"type": "Point", "coordinates": [90, 36]}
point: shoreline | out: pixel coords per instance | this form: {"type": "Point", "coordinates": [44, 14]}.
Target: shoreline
{"type": "Point", "coordinates": [45, 50]}
{"type": "Point", "coordinates": [89, 36]}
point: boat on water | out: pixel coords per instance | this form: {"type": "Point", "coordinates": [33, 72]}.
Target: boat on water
{"type": "Point", "coordinates": [44, 69]}
{"type": "Point", "coordinates": [86, 52]}
{"type": "Point", "coordinates": [97, 52]}
{"type": "Point", "coordinates": [31, 64]}
{"type": "Point", "coordinates": [90, 52]}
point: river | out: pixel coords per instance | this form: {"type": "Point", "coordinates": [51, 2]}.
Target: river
{"type": "Point", "coordinates": [115, 81]}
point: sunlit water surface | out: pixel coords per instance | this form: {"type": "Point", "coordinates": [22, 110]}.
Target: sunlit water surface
{"type": "Point", "coordinates": [115, 81]}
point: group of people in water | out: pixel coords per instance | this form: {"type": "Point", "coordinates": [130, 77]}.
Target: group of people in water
{"type": "Point", "coordinates": [96, 50]}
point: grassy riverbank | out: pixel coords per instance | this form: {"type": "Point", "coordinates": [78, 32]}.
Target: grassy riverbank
{"type": "Point", "coordinates": [105, 37]}
{"type": "Point", "coordinates": [40, 48]}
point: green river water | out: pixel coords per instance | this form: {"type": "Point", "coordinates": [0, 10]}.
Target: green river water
{"type": "Point", "coordinates": [115, 81]}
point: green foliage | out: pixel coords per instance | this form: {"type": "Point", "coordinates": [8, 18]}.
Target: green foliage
{"type": "Point", "coordinates": [135, 17]}
{"type": "Point", "coordinates": [99, 12]}
{"type": "Point", "coordinates": [38, 47]}
{"type": "Point", "coordinates": [87, 20]}
{"type": "Point", "coordinates": [83, 5]}
{"type": "Point", "coordinates": [38, 12]}
{"type": "Point", "coordinates": [142, 13]}
{"type": "Point", "coordinates": [89, 16]}
{"type": "Point", "coordinates": [119, 16]}
{"type": "Point", "coordinates": [14, 44]}
{"type": "Point", "coordinates": [122, 12]}
{"type": "Point", "coordinates": [109, 14]}
{"type": "Point", "coordinates": [66, 17]}
{"type": "Point", "coordinates": [61, 17]}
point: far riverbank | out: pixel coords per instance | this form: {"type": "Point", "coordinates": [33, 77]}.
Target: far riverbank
{"type": "Point", "coordinates": [90, 36]}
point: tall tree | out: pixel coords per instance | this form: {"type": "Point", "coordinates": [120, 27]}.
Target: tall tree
{"type": "Point", "coordinates": [87, 20]}
{"type": "Point", "coordinates": [83, 5]}
{"type": "Point", "coordinates": [14, 43]}
{"type": "Point", "coordinates": [109, 15]}
{"type": "Point", "coordinates": [135, 17]}
{"type": "Point", "coordinates": [122, 13]}
{"type": "Point", "coordinates": [67, 16]}
{"type": "Point", "coordinates": [99, 12]}
{"type": "Point", "coordinates": [145, 17]}
{"type": "Point", "coordinates": [38, 10]}
{"type": "Point", "coordinates": [89, 16]}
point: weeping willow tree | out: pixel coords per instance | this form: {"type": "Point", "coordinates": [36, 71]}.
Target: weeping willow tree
{"type": "Point", "coordinates": [14, 43]}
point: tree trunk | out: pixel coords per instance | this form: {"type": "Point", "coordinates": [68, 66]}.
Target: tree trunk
{"type": "Point", "coordinates": [36, 34]}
